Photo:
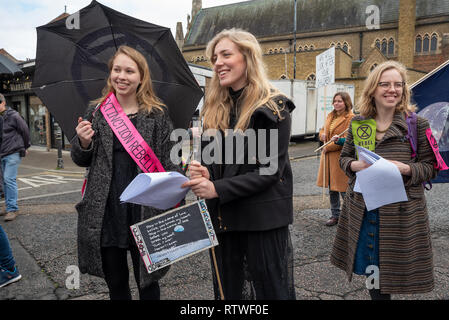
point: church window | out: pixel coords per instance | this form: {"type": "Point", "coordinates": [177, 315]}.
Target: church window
{"type": "Point", "coordinates": [276, 50]}
{"type": "Point", "coordinates": [281, 50]}
{"type": "Point", "coordinates": [378, 44]}
{"type": "Point", "coordinates": [332, 45]}
{"type": "Point", "coordinates": [434, 42]}
{"type": "Point", "coordinates": [270, 51]}
{"type": "Point", "coordinates": [418, 44]}
{"type": "Point", "coordinates": [311, 47]}
{"type": "Point", "coordinates": [390, 47]}
{"type": "Point", "coordinates": [311, 77]}
{"type": "Point", "coordinates": [384, 46]}
{"type": "Point", "coordinates": [425, 43]}
{"type": "Point", "coordinates": [306, 48]}
{"type": "Point", "coordinates": [299, 49]}
{"type": "Point", "coordinates": [372, 67]}
{"type": "Point", "coordinates": [345, 47]}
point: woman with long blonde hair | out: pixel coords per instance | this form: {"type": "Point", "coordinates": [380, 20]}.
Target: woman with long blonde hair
{"type": "Point", "coordinates": [250, 208]}
{"type": "Point", "coordinates": [104, 235]}
{"type": "Point", "coordinates": [393, 241]}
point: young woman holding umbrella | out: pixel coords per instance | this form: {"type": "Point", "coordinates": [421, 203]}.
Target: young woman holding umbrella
{"type": "Point", "coordinates": [104, 235]}
{"type": "Point", "coordinates": [250, 210]}
{"type": "Point", "coordinates": [395, 238]}
{"type": "Point", "coordinates": [330, 174]}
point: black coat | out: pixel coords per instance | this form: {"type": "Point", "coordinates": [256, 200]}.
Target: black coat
{"type": "Point", "coordinates": [249, 200]}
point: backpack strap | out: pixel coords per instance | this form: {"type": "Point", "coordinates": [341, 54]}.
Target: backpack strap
{"type": "Point", "coordinates": [412, 134]}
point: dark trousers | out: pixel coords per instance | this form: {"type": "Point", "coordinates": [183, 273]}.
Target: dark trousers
{"type": "Point", "coordinates": [334, 197]}
{"type": "Point", "coordinates": [115, 268]}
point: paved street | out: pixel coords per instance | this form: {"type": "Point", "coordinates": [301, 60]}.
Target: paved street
{"type": "Point", "coordinates": [43, 238]}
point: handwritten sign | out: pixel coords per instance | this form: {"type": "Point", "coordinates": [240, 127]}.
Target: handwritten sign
{"type": "Point", "coordinates": [174, 235]}
{"type": "Point", "coordinates": [325, 68]}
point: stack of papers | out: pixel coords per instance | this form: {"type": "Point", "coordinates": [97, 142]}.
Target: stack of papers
{"type": "Point", "coordinates": [381, 183]}
{"type": "Point", "coordinates": [160, 190]}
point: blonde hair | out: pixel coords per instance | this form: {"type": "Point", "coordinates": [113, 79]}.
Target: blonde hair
{"type": "Point", "coordinates": [258, 92]}
{"type": "Point", "coordinates": [366, 104]}
{"type": "Point", "coordinates": [146, 98]}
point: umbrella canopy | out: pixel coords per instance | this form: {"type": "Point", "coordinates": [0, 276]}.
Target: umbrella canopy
{"type": "Point", "coordinates": [7, 66]}
{"type": "Point", "coordinates": [71, 63]}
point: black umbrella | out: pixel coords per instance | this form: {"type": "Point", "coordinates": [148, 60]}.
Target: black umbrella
{"type": "Point", "coordinates": [7, 66]}
{"type": "Point", "coordinates": [72, 56]}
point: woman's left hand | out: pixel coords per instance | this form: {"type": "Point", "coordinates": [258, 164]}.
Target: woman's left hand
{"type": "Point", "coordinates": [404, 169]}
{"type": "Point", "coordinates": [201, 187]}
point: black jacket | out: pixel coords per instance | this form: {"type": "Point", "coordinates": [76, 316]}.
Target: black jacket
{"type": "Point", "coordinates": [16, 135]}
{"type": "Point", "coordinates": [249, 200]}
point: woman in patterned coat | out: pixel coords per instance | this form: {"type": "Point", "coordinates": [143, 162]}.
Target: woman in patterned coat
{"type": "Point", "coordinates": [395, 238]}
{"type": "Point", "coordinates": [104, 236]}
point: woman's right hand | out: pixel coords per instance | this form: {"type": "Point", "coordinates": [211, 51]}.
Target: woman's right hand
{"type": "Point", "coordinates": [359, 165]}
{"type": "Point", "coordinates": [84, 132]}
{"type": "Point", "coordinates": [323, 137]}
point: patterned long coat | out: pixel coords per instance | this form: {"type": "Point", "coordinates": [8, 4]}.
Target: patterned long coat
{"type": "Point", "coordinates": [155, 128]}
{"type": "Point", "coordinates": [335, 178]}
{"type": "Point", "coordinates": [405, 249]}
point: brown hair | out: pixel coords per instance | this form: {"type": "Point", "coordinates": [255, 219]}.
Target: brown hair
{"type": "Point", "coordinates": [146, 98]}
{"type": "Point", "coordinates": [346, 99]}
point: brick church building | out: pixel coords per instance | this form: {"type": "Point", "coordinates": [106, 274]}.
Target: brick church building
{"type": "Point", "coordinates": [364, 32]}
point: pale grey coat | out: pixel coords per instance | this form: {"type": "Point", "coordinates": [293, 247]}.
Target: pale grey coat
{"type": "Point", "coordinates": [155, 128]}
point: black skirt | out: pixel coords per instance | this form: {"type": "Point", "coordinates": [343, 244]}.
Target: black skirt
{"type": "Point", "coordinates": [256, 265]}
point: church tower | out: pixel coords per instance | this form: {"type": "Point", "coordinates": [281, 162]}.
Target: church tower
{"type": "Point", "coordinates": [406, 32]}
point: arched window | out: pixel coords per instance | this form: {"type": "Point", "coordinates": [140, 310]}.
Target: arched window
{"type": "Point", "coordinates": [425, 43]}
{"type": "Point", "coordinates": [281, 50]}
{"type": "Point", "coordinates": [434, 42]}
{"type": "Point", "coordinates": [378, 44]}
{"type": "Point", "coordinates": [345, 47]}
{"type": "Point", "coordinates": [270, 51]}
{"type": "Point", "coordinates": [384, 47]}
{"type": "Point", "coordinates": [275, 50]}
{"type": "Point", "coordinates": [311, 77]}
{"type": "Point", "coordinates": [312, 47]}
{"type": "Point", "coordinates": [306, 48]}
{"type": "Point", "coordinates": [332, 45]}
{"type": "Point", "coordinates": [339, 45]}
{"type": "Point", "coordinates": [372, 67]}
{"type": "Point", "coordinates": [299, 49]}
{"type": "Point", "coordinates": [418, 44]}
{"type": "Point", "coordinates": [390, 47]}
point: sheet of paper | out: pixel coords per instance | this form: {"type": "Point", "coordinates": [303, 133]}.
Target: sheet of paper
{"type": "Point", "coordinates": [381, 184]}
{"type": "Point", "coordinates": [161, 190]}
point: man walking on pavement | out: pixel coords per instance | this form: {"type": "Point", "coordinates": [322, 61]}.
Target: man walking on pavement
{"type": "Point", "coordinates": [15, 141]}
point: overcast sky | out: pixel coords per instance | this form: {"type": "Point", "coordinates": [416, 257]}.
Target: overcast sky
{"type": "Point", "coordinates": [19, 18]}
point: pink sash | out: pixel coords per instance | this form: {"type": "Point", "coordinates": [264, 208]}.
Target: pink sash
{"type": "Point", "coordinates": [129, 137]}
{"type": "Point", "coordinates": [433, 143]}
